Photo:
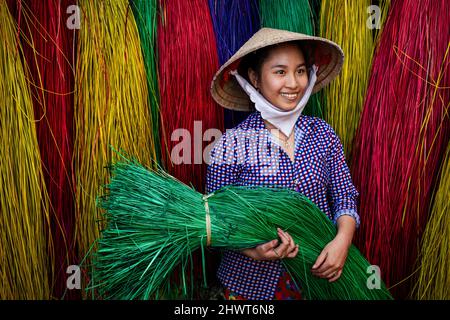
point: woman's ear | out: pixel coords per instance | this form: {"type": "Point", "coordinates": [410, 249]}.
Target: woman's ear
{"type": "Point", "coordinates": [253, 77]}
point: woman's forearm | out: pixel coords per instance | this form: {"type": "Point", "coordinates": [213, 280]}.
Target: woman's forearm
{"type": "Point", "coordinates": [346, 226]}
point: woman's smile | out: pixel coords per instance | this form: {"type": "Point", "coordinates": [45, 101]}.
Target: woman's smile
{"type": "Point", "coordinates": [290, 96]}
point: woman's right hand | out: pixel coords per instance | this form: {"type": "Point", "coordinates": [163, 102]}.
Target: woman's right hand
{"type": "Point", "coordinates": [272, 250]}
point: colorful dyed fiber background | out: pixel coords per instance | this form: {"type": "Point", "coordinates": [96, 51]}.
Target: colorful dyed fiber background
{"type": "Point", "coordinates": [80, 80]}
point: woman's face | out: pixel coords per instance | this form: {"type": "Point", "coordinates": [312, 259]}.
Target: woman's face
{"type": "Point", "coordinates": [283, 76]}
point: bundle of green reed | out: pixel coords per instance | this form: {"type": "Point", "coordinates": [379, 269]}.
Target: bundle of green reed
{"type": "Point", "coordinates": [155, 222]}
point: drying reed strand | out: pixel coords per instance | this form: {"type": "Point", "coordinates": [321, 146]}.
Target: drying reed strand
{"type": "Point", "coordinates": [402, 137]}
{"type": "Point", "coordinates": [145, 13]}
{"type": "Point", "coordinates": [25, 245]}
{"type": "Point", "coordinates": [111, 105]}
{"type": "Point", "coordinates": [47, 46]}
{"type": "Point", "coordinates": [187, 63]}
{"type": "Point", "coordinates": [344, 22]}
{"type": "Point", "coordinates": [433, 280]}
{"type": "Point", "coordinates": [234, 21]}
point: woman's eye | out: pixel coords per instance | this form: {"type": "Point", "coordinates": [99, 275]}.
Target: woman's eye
{"type": "Point", "coordinates": [301, 71]}
{"type": "Point", "coordinates": [279, 72]}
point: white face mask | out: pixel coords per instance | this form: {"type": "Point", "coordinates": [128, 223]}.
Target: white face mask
{"type": "Point", "coordinates": [282, 120]}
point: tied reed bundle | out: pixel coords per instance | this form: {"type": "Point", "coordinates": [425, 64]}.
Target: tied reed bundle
{"type": "Point", "coordinates": [155, 222]}
{"type": "Point", "coordinates": [187, 63]}
{"type": "Point", "coordinates": [344, 22]}
{"type": "Point", "coordinates": [433, 281]}
{"type": "Point", "coordinates": [296, 16]}
{"type": "Point", "coordinates": [111, 104]}
{"type": "Point", "coordinates": [25, 242]}
{"type": "Point", "coordinates": [402, 136]}
{"type": "Point", "coordinates": [47, 49]}
{"type": "Point", "coordinates": [234, 21]}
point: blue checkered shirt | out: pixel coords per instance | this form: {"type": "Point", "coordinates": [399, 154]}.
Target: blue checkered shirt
{"type": "Point", "coordinates": [249, 155]}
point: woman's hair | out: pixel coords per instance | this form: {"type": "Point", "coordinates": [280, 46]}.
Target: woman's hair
{"type": "Point", "coordinates": [256, 59]}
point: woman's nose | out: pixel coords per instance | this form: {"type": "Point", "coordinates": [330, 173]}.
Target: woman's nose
{"type": "Point", "coordinates": [291, 81]}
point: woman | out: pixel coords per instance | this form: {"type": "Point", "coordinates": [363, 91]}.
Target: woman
{"type": "Point", "coordinates": [275, 72]}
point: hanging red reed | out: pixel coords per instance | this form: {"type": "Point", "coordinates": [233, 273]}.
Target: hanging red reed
{"type": "Point", "coordinates": [48, 45]}
{"type": "Point", "coordinates": [187, 63]}
{"type": "Point", "coordinates": [403, 133]}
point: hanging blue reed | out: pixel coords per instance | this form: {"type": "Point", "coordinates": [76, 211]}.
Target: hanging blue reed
{"type": "Point", "coordinates": [234, 22]}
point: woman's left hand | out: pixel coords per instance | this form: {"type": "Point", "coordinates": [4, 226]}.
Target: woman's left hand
{"type": "Point", "coordinates": [330, 263]}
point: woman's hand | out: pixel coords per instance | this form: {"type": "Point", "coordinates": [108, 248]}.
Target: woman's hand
{"type": "Point", "coordinates": [272, 251]}
{"type": "Point", "coordinates": [330, 263]}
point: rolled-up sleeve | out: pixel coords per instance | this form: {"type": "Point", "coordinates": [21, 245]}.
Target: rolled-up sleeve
{"type": "Point", "coordinates": [341, 191]}
{"type": "Point", "coordinates": [223, 168]}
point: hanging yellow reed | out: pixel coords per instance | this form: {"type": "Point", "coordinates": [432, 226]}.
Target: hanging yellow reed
{"type": "Point", "coordinates": [111, 105]}
{"type": "Point", "coordinates": [434, 276]}
{"type": "Point", "coordinates": [345, 23]}
{"type": "Point", "coordinates": [25, 263]}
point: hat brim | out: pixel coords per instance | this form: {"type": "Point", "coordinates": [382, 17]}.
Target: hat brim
{"type": "Point", "coordinates": [325, 54]}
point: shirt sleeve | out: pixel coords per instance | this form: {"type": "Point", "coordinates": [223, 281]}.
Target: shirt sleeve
{"type": "Point", "coordinates": [223, 168]}
{"type": "Point", "coordinates": [341, 191]}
